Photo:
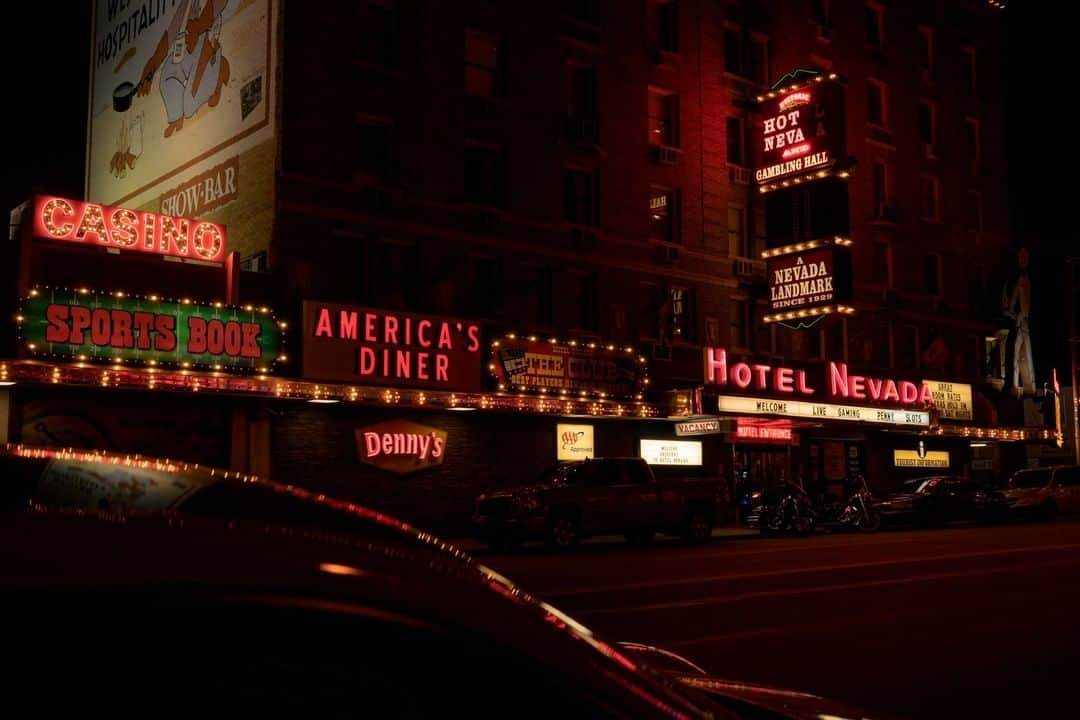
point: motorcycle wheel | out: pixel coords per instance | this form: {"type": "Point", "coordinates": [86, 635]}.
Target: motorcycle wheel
{"type": "Point", "coordinates": [869, 522]}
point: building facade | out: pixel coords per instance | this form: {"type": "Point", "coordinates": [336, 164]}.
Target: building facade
{"type": "Point", "coordinates": [583, 171]}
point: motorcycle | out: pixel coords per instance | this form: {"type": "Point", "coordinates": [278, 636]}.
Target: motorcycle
{"type": "Point", "coordinates": [788, 509]}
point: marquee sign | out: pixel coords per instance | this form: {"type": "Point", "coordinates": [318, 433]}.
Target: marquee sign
{"type": "Point", "coordinates": [571, 367]}
{"type": "Point", "coordinates": [89, 326]}
{"type": "Point", "coordinates": [801, 131]}
{"type": "Point", "coordinates": [821, 411]}
{"type": "Point", "coordinates": [750, 431]}
{"type": "Point", "coordinates": [838, 383]}
{"type": "Point", "coordinates": [346, 343]}
{"type": "Point", "coordinates": [94, 225]}
{"type": "Point", "coordinates": [400, 446]}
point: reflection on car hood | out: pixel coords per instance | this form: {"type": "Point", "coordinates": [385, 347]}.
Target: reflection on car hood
{"type": "Point", "coordinates": [1022, 492]}
{"type": "Point", "coordinates": [744, 698]}
{"type": "Point", "coordinates": [899, 498]}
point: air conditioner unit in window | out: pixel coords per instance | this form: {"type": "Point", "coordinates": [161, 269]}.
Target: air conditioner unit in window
{"type": "Point", "coordinates": [928, 151]}
{"type": "Point", "coordinates": [582, 130]}
{"type": "Point", "coordinates": [738, 174]}
{"type": "Point", "coordinates": [886, 211]}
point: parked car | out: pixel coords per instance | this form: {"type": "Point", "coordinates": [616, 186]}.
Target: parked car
{"type": "Point", "coordinates": [1044, 492]}
{"type": "Point", "coordinates": [576, 499]}
{"type": "Point", "coordinates": [159, 609]}
{"type": "Point", "coordinates": [934, 501]}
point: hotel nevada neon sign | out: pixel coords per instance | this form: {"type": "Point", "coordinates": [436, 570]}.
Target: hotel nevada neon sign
{"type": "Point", "coordinates": [795, 388]}
{"type": "Point", "coordinates": [93, 225]}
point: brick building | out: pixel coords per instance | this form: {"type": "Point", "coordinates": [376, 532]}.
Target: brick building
{"type": "Point", "coordinates": [583, 169]}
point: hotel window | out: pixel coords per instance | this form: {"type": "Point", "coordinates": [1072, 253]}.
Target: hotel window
{"type": "Point", "coordinates": [975, 210]}
{"type": "Point", "coordinates": [875, 25]}
{"type": "Point", "coordinates": [581, 84]}
{"type": "Point", "coordinates": [537, 294]}
{"type": "Point", "coordinates": [907, 350]}
{"type": "Point", "coordinates": [664, 215]}
{"type": "Point", "coordinates": [971, 138]}
{"type": "Point", "coordinates": [483, 170]}
{"type": "Point", "coordinates": [819, 13]}
{"type": "Point", "coordinates": [926, 48]}
{"type": "Point", "coordinates": [970, 66]}
{"type": "Point", "coordinates": [882, 263]}
{"type": "Point", "coordinates": [374, 143]}
{"type": "Point", "coordinates": [736, 142]}
{"type": "Point", "coordinates": [740, 321]}
{"type": "Point", "coordinates": [666, 26]}
{"type": "Point", "coordinates": [883, 345]}
{"type": "Point", "coordinates": [586, 299]}
{"type": "Point", "coordinates": [483, 65]}
{"type": "Point", "coordinates": [486, 292]}
{"type": "Point", "coordinates": [579, 197]}
{"type": "Point", "coordinates": [377, 28]}
{"type": "Point", "coordinates": [877, 110]}
{"type": "Point", "coordinates": [759, 60]}
{"type": "Point", "coordinates": [663, 118]}
{"type": "Point", "coordinates": [683, 314]}
{"type": "Point", "coordinates": [931, 198]}
{"type": "Point", "coordinates": [927, 123]}
{"type": "Point", "coordinates": [738, 241]}
{"type": "Point", "coordinates": [733, 52]}
{"type": "Point", "coordinates": [879, 174]}
{"type": "Point", "coordinates": [933, 274]}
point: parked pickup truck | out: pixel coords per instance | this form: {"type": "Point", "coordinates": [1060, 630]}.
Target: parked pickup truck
{"type": "Point", "coordinates": [599, 496]}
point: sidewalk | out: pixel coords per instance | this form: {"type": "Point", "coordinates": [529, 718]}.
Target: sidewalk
{"type": "Point", "coordinates": [471, 545]}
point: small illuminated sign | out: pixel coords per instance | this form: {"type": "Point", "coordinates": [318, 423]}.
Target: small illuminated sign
{"type": "Point", "coordinates": [757, 432]}
{"type": "Point", "coordinates": [400, 446]}
{"type": "Point", "coordinates": [952, 400]}
{"type": "Point", "coordinates": [574, 442]}
{"type": "Point", "coordinates": [710, 426]}
{"type": "Point", "coordinates": [94, 225]}
{"type": "Point", "coordinates": [821, 411]}
{"type": "Point", "coordinates": [671, 452]}
{"type": "Point", "coordinates": [938, 459]}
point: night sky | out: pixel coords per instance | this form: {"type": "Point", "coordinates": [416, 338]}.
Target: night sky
{"type": "Point", "coordinates": [47, 49]}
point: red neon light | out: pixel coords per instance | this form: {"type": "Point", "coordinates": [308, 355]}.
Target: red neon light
{"type": "Point", "coordinates": [415, 445]}
{"type": "Point", "coordinates": [124, 229]}
{"type": "Point", "coordinates": [861, 387]}
{"type": "Point", "coordinates": [763, 432]}
{"type": "Point", "coordinates": [785, 380]}
{"type": "Point", "coordinates": [796, 151]}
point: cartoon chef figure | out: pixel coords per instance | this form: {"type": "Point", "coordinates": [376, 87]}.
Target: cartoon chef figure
{"type": "Point", "coordinates": [193, 69]}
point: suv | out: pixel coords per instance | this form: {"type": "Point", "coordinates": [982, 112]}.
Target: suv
{"type": "Point", "coordinates": [1045, 492]}
{"type": "Point", "coordinates": [604, 495]}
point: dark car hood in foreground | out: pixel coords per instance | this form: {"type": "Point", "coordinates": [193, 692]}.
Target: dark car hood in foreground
{"type": "Point", "coordinates": [750, 700]}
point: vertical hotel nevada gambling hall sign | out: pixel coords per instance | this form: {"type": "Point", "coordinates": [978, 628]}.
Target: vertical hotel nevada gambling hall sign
{"type": "Point", "coordinates": [801, 131]}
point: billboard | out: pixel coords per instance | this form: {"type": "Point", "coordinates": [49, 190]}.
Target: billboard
{"type": "Point", "coordinates": [348, 343]}
{"type": "Point", "coordinates": [112, 328]}
{"type": "Point", "coordinates": [571, 367]}
{"type": "Point", "coordinates": [801, 130]}
{"type": "Point", "coordinates": [181, 119]}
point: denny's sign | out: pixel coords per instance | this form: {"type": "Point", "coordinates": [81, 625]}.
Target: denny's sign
{"type": "Point", "coordinates": [88, 326]}
{"type": "Point", "coordinates": [400, 446]}
{"type": "Point", "coordinates": [94, 225]}
{"type": "Point", "coordinates": [346, 343]}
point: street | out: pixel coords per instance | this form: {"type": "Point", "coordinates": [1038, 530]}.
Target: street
{"type": "Point", "coordinates": [959, 622]}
